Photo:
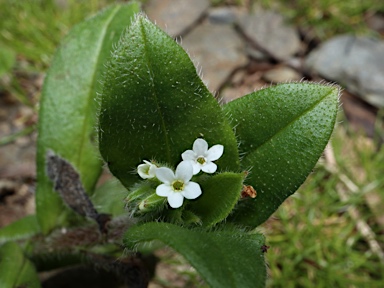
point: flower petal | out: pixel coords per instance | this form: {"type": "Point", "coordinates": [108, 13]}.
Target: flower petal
{"type": "Point", "coordinates": [163, 190]}
{"type": "Point", "coordinates": [165, 175]}
{"type": "Point", "coordinates": [189, 155]}
{"type": "Point", "coordinates": [191, 191]}
{"type": "Point", "coordinates": [143, 171]}
{"type": "Point", "coordinates": [200, 147]}
{"type": "Point", "coordinates": [196, 167]}
{"type": "Point", "coordinates": [175, 199]}
{"type": "Point", "coordinates": [215, 152]}
{"type": "Point", "coordinates": [184, 171]}
{"type": "Point", "coordinates": [152, 171]}
{"type": "Point", "coordinates": [210, 167]}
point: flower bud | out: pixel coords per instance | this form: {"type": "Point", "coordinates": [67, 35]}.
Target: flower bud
{"type": "Point", "coordinates": [151, 203]}
{"type": "Point", "coordinates": [139, 192]}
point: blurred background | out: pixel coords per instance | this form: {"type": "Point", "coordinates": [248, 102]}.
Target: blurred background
{"type": "Point", "coordinates": [330, 233]}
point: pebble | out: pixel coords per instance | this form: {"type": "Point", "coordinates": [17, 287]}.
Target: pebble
{"type": "Point", "coordinates": [222, 15]}
{"type": "Point", "coordinates": [355, 62]}
{"type": "Point", "coordinates": [218, 56]}
{"type": "Point", "coordinates": [281, 74]}
{"type": "Point", "coordinates": [175, 17]}
{"type": "Point", "coordinates": [254, 53]}
{"type": "Point", "coordinates": [268, 30]}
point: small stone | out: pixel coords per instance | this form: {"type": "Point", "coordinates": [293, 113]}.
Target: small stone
{"type": "Point", "coordinates": [355, 62]}
{"type": "Point", "coordinates": [222, 15]}
{"type": "Point", "coordinates": [254, 53]}
{"type": "Point", "coordinates": [217, 49]}
{"type": "Point", "coordinates": [229, 94]}
{"type": "Point", "coordinates": [268, 30]}
{"type": "Point", "coordinates": [295, 62]}
{"type": "Point", "coordinates": [238, 77]}
{"type": "Point", "coordinates": [281, 74]}
{"type": "Point", "coordinates": [175, 16]}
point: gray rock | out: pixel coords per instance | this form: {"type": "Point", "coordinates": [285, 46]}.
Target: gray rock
{"type": "Point", "coordinates": [222, 15]}
{"type": "Point", "coordinates": [217, 49]}
{"type": "Point", "coordinates": [281, 74]}
{"type": "Point", "coordinates": [175, 16]}
{"type": "Point", "coordinates": [355, 62]}
{"type": "Point", "coordinates": [254, 53]}
{"type": "Point", "coordinates": [268, 30]}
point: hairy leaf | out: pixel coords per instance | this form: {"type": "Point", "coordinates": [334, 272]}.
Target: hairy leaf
{"type": "Point", "coordinates": [68, 109]}
{"type": "Point", "coordinates": [154, 105]}
{"type": "Point", "coordinates": [220, 194]}
{"type": "Point", "coordinates": [282, 131]}
{"type": "Point", "coordinates": [15, 269]}
{"type": "Point", "coordinates": [109, 198]}
{"type": "Point", "coordinates": [20, 229]}
{"type": "Point", "coordinates": [228, 258]}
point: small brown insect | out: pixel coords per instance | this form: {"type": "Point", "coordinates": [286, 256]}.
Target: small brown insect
{"type": "Point", "coordinates": [264, 248]}
{"type": "Point", "coordinates": [248, 191]}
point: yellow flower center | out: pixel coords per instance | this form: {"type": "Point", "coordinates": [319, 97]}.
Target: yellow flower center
{"type": "Point", "coordinates": [178, 185]}
{"type": "Point", "coordinates": [201, 160]}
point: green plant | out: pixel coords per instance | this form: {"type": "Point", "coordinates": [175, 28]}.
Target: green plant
{"type": "Point", "coordinates": [33, 29]}
{"type": "Point", "coordinates": [253, 153]}
{"type": "Point", "coordinates": [342, 204]}
{"type": "Point", "coordinates": [328, 18]}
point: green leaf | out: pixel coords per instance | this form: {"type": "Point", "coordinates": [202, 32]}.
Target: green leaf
{"type": "Point", "coordinates": [20, 229]}
{"type": "Point", "coordinates": [282, 131]}
{"type": "Point", "coordinates": [15, 269]}
{"type": "Point", "coordinates": [154, 105]}
{"type": "Point", "coordinates": [229, 258]}
{"type": "Point", "coordinates": [220, 194]}
{"type": "Point", "coordinates": [68, 109]}
{"type": "Point", "coordinates": [109, 198]}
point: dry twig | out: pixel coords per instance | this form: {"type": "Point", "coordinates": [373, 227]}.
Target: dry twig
{"type": "Point", "coordinates": [362, 226]}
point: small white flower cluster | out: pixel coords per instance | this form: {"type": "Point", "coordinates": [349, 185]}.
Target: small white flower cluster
{"type": "Point", "coordinates": [177, 186]}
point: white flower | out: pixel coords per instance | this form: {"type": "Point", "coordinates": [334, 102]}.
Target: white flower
{"type": "Point", "coordinates": [146, 170]}
{"type": "Point", "coordinates": [176, 186]}
{"type": "Point", "coordinates": [201, 157]}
